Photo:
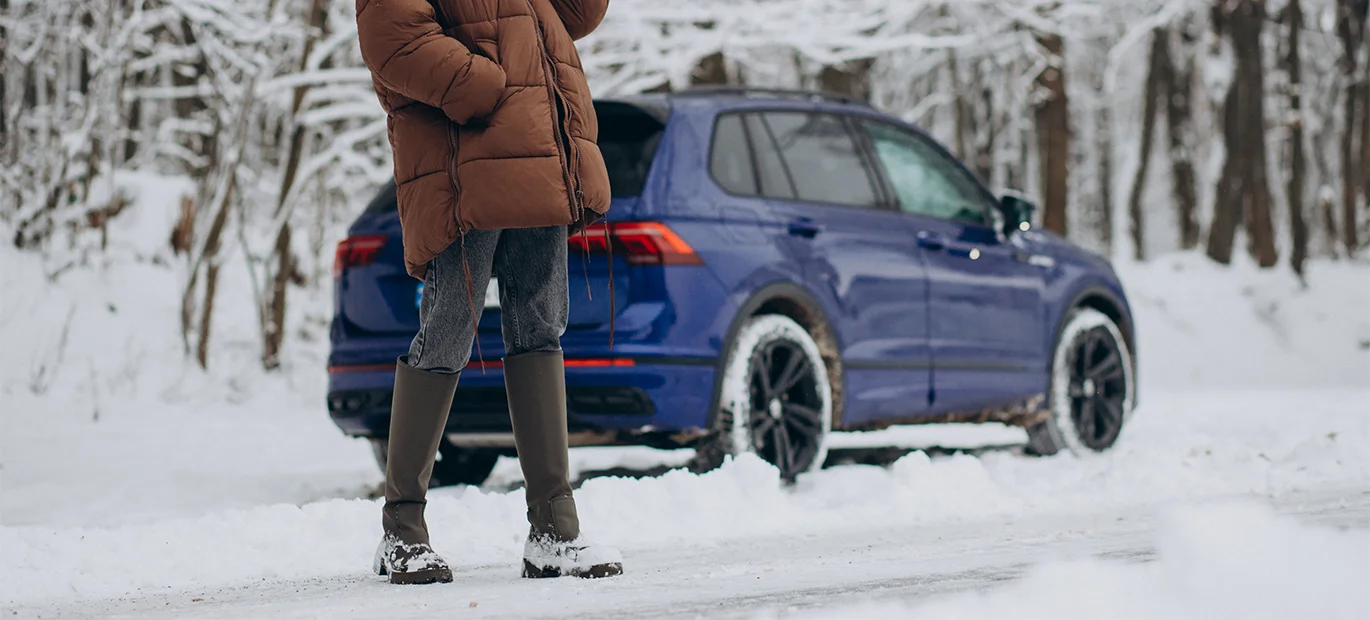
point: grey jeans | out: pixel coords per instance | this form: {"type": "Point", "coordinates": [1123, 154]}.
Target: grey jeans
{"type": "Point", "coordinates": [531, 266]}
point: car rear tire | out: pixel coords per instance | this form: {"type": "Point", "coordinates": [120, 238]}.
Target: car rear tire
{"type": "Point", "coordinates": [776, 400]}
{"type": "Point", "coordinates": [1092, 388]}
{"type": "Point", "coordinates": [455, 465]}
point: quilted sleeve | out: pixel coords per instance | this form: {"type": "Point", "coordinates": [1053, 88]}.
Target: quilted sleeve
{"type": "Point", "coordinates": [405, 48]}
{"type": "Point", "coordinates": [581, 17]}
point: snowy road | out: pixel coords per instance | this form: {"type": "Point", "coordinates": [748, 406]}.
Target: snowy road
{"type": "Point", "coordinates": [778, 574]}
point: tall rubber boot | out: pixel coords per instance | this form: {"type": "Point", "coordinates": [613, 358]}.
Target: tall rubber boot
{"type": "Point", "coordinates": [536, 383]}
{"type": "Point", "coordinates": [418, 416]}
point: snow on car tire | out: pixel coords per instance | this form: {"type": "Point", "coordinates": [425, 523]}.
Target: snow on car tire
{"type": "Point", "coordinates": [1092, 387]}
{"type": "Point", "coordinates": [776, 399]}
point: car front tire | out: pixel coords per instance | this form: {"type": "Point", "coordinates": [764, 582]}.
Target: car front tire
{"type": "Point", "coordinates": [1093, 387]}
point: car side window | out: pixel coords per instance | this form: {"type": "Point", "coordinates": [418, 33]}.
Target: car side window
{"type": "Point", "coordinates": [730, 157]}
{"type": "Point", "coordinates": [924, 179]}
{"type": "Point", "coordinates": [822, 158]}
{"type": "Point", "coordinates": [770, 169]}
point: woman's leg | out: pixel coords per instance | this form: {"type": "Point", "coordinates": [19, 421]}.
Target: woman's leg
{"type": "Point", "coordinates": [531, 264]}
{"type": "Point", "coordinates": [425, 381]}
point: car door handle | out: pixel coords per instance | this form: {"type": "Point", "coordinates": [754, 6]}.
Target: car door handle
{"type": "Point", "coordinates": [931, 241]}
{"type": "Point", "coordinates": [804, 227]}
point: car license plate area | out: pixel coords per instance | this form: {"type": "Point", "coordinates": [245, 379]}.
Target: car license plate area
{"type": "Point", "coordinates": [491, 294]}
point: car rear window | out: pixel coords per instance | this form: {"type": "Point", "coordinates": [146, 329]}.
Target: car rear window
{"type": "Point", "coordinates": [628, 137]}
{"type": "Point", "coordinates": [384, 200]}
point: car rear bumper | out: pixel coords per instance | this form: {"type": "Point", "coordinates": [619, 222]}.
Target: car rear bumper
{"type": "Point", "coordinates": [609, 397]}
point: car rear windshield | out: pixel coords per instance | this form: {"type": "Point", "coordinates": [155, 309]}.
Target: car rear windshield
{"type": "Point", "coordinates": [628, 137]}
{"type": "Point", "coordinates": [384, 200]}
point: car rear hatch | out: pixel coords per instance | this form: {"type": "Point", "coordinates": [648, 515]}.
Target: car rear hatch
{"type": "Point", "coordinates": [376, 296]}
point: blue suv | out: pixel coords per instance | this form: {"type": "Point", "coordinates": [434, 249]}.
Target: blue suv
{"type": "Point", "coordinates": [786, 265]}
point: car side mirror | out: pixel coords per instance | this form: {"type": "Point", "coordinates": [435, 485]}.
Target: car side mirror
{"type": "Point", "coordinates": [1018, 212]}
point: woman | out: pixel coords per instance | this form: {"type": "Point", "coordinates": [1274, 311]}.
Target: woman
{"type": "Point", "coordinates": [493, 133]}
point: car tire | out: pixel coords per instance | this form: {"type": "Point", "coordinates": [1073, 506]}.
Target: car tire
{"type": "Point", "coordinates": [1092, 388]}
{"type": "Point", "coordinates": [786, 425]}
{"type": "Point", "coordinates": [455, 465]}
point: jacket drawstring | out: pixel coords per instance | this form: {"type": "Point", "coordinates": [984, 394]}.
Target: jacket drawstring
{"type": "Point", "coordinates": [584, 264]}
{"type": "Point", "coordinates": [585, 273]}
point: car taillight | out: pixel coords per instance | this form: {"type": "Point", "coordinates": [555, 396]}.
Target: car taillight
{"type": "Point", "coordinates": [642, 243]}
{"type": "Point", "coordinates": [356, 251]}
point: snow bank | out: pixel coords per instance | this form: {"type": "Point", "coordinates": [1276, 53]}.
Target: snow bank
{"type": "Point", "coordinates": [1269, 443]}
{"type": "Point", "coordinates": [1222, 561]}
{"type": "Point", "coordinates": [105, 420]}
{"type": "Point", "coordinates": [1206, 326]}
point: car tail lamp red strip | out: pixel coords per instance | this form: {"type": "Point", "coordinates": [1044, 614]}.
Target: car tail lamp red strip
{"type": "Point", "coordinates": [356, 252]}
{"type": "Point", "coordinates": [496, 365]}
{"type": "Point", "coordinates": [600, 363]}
{"type": "Point", "coordinates": [643, 243]}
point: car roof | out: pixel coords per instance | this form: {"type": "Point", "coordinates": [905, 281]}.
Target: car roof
{"type": "Point", "coordinates": [713, 99]}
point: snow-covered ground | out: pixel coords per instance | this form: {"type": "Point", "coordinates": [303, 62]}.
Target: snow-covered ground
{"type": "Point", "coordinates": [134, 484]}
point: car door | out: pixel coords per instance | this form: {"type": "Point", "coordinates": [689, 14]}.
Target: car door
{"type": "Point", "coordinates": [985, 300]}
{"type": "Point", "coordinates": [872, 283]}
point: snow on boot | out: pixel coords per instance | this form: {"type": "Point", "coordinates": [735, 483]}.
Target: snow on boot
{"type": "Point", "coordinates": [418, 415]}
{"type": "Point", "coordinates": [536, 383]}
{"type": "Point", "coordinates": [410, 564]}
{"type": "Point", "coordinates": [556, 549]}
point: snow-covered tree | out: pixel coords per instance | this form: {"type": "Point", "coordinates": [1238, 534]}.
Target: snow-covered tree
{"type": "Point", "coordinates": [1118, 115]}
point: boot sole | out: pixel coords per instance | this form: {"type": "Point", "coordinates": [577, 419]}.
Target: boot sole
{"type": "Point", "coordinates": [417, 578]}
{"type": "Point", "coordinates": [598, 571]}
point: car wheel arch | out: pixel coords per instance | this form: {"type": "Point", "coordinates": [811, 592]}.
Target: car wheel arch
{"type": "Point", "coordinates": [793, 301]}
{"type": "Point", "coordinates": [1105, 301]}
{"type": "Point", "coordinates": [1098, 297]}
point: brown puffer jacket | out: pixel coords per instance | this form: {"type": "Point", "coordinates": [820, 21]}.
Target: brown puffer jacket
{"type": "Point", "coordinates": [490, 115]}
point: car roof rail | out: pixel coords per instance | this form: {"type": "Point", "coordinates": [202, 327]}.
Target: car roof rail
{"type": "Point", "coordinates": [786, 93]}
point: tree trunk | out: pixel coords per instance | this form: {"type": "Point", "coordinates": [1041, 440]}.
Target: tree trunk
{"type": "Point", "coordinates": [1351, 171]}
{"type": "Point", "coordinates": [985, 156]}
{"type": "Point", "coordinates": [1104, 143]}
{"type": "Point", "coordinates": [1298, 166]}
{"type": "Point", "coordinates": [4, 79]}
{"type": "Point", "coordinates": [712, 70]}
{"type": "Point", "coordinates": [273, 328]}
{"type": "Point", "coordinates": [273, 331]}
{"type": "Point", "coordinates": [1364, 162]}
{"type": "Point", "coordinates": [206, 313]}
{"type": "Point", "coordinates": [1351, 20]}
{"type": "Point", "coordinates": [209, 255]}
{"type": "Point", "coordinates": [851, 79]}
{"type": "Point", "coordinates": [1178, 94]}
{"type": "Point", "coordinates": [963, 117]}
{"type": "Point", "coordinates": [1243, 188]}
{"type": "Point", "coordinates": [1152, 93]}
{"type": "Point", "coordinates": [190, 107]}
{"type": "Point", "coordinates": [1053, 136]}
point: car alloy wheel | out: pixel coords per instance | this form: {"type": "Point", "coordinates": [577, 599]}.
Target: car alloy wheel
{"type": "Point", "coordinates": [1092, 387]}
{"type": "Point", "coordinates": [777, 397]}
